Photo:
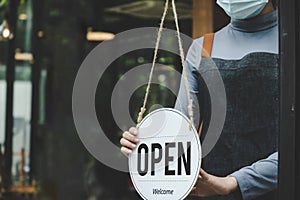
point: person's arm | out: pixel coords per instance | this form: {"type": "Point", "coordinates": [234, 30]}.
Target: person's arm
{"type": "Point", "coordinates": [259, 178]}
{"type": "Point", "coordinates": [253, 181]}
{"type": "Point", "coordinates": [192, 63]}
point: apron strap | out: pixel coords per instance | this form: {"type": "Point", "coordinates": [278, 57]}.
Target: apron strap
{"type": "Point", "coordinates": [200, 129]}
{"type": "Point", "coordinates": [207, 45]}
{"type": "Point", "coordinates": [206, 53]}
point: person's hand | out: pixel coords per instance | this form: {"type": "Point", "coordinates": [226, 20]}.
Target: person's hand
{"type": "Point", "coordinates": [209, 185]}
{"type": "Point", "coordinates": [129, 141]}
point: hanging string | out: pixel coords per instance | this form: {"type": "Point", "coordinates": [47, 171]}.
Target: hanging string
{"type": "Point", "coordinates": [143, 109]}
{"type": "Point", "coordinates": [186, 83]}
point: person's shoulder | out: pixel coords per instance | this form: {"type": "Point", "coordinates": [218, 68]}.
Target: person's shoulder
{"type": "Point", "coordinates": [197, 43]}
{"type": "Point", "coordinates": [194, 53]}
{"type": "Point", "coordinates": [195, 50]}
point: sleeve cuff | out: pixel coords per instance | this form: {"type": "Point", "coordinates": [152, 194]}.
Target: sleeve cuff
{"type": "Point", "coordinates": [243, 184]}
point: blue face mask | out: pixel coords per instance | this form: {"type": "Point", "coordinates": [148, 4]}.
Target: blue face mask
{"type": "Point", "coordinates": [242, 9]}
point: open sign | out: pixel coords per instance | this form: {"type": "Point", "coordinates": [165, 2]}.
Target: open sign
{"type": "Point", "coordinates": [167, 160]}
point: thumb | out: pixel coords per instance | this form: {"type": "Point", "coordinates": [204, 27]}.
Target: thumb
{"type": "Point", "coordinates": [203, 174]}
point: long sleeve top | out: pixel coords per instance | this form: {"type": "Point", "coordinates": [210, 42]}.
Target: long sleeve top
{"type": "Point", "coordinates": [259, 34]}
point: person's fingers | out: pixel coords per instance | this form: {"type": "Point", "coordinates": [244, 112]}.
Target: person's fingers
{"type": "Point", "coordinates": [133, 131]}
{"type": "Point", "coordinates": [132, 138]}
{"type": "Point", "coordinates": [127, 143]}
{"type": "Point", "coordinates": [126, 151]}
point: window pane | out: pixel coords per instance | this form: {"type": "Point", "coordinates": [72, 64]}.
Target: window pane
{"type": "Point", "coordinates": [22, 117]}
{"type": "Point", "coordinates": [2, 107]}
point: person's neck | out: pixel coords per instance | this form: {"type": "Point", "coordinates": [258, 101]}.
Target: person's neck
{"type": "Point", "coordinates": [255, 24]}
{"type": "Point", "coordinates": [267, 9]}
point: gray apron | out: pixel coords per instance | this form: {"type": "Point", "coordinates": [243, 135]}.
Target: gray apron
{"type": "Point", "coordinates": [251, 126]}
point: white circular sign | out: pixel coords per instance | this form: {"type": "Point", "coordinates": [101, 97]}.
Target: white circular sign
{"type": "Point", "coordinates": [166, 162]}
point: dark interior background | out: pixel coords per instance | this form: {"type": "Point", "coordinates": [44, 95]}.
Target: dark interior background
{"type": "Point", "coordinates": [55, 32]}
